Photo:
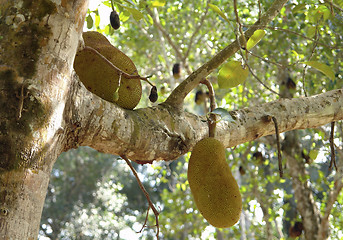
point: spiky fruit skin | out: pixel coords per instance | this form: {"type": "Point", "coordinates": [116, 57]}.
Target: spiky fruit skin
{"type": "Point", "coordinates": [215, 191]}
{"type": "Point", "coordinates": [100, 78]}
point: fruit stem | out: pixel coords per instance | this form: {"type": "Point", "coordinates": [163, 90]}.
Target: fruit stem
{"type": "Point", "coordinates": [124, 74]}
{"type": "Point", "coordinates": [146, 79]}
{"type": "Point", "coordinates": [279, 157]}
{"type": "Point", "coordinates": [212, 117]}
{"type": "Point", "coordinates": [112, 5]}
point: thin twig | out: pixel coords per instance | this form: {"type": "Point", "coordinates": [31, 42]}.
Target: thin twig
{"type": "Point", "coordinates": [333, 5]}
{"type": "Point", "coordinates": [265, 60]}
{"type": "Point", "coordinates": [312, 52]}
{"type": "Point", "coordinates": [259, 9]}
{"type": "Point", "coordinates": [240, 29]}
{"type": "Point", "coordinates": [21, 98]}
{"type": "Point", "coordinates": [176, 98]}
{"type": "Point", "coordinates": [212, 118]}
{"type": "Point", "coordinates": [252, 72]}
{"type": "Point", "coordinates": [165, 33]}
{"type": "Point", "coordinates": [126, 75]}
{"type": "Point", "coordinates": [191, 40]}
{"type": "Point", "coordinates": [294, 33]}
{"type": "Point", "coordinates": [145, 221]}
{"type": "Point", "coordinates": [332, 147]}
{"type": "Point", "coordinates": [278, 146]}
{"type": "Point", "coordinates": [151, 205]}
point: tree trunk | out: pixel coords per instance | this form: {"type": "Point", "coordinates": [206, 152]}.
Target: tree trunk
{"type": "Point", "coordinates": [302, 192]}
{"type": "Point", "coordinates": [38, 45]}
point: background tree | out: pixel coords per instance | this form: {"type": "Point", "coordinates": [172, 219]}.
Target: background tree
{"type": "Point", "coordinates": [53, 112]}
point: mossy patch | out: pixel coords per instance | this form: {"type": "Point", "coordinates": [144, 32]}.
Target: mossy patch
{"type": "Point", "coordinates": [21, 44]}
{"type": "Point", "coordinates": [40, 9]}
{"type": "Point", "coordinates": [16, 130]}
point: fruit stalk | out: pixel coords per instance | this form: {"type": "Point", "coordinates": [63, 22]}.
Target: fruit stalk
{"type": "Point", "coordinates": [124, 74]}
{"type": "Point", "coordinates": [212, 117]}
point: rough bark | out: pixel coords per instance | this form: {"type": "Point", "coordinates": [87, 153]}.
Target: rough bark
{"type": "Point", "coordinates": [37, 47]}
{"type": "Point", "coordinates": [305, 203]}
{"type": "Point", "coordinates": [324, 229]}
{"type": "Point", "coordinates": [303, 196]}
{"type": "Point", "coordinates": [164, 132]}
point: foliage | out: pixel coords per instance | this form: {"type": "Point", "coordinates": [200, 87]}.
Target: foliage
{"type": "Point", "coordinates": [90, 189]}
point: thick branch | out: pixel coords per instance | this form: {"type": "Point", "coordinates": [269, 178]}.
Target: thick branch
{"type": "Point", "coordinates": [177, 96]}
{"type": "Point", "coordinates": [166, 132]}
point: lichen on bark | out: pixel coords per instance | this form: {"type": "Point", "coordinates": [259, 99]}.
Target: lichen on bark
{"type": "Point", "coordinates": [23, 34]}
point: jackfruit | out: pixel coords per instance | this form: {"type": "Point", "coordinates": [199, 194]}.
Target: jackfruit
{"type": "Point", "coordinates": [214, 189]}
{"type": "Point", "coordinates": [103, 80]}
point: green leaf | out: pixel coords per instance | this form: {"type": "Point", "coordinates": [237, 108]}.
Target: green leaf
{"type": "Point", "coordinates": [313, 154]}
{"type": "Point", "coordinates": [232, 74]}
{"type": "Point", "coordinates": [255, 38]}
{"type": "Point", "coordinates": [299, 8]}
{"type": "Point", "coordinates": [224, 114]}
{"type": "Point", "coordinates": [311, 31]}
{"type": "Point", "coordinates": [158, 3]}
{"type": "Point", "coordinates": [124, 16]}
{"type": "Point", "coordinates": [127, 1]}
{"type": "Point", "coordinates": [137, 15]}
{"type": "Point", "coordinates": [217, 10]}
{"type": "Point", "coordinates": [325, 12]}
{"type": "Point", "coordinates": [322, 68]}
{"type": "Point", "coordinates": [183, 187]}
{"type": "Point", "coordinates": [97, 20]}
{"type": "Point", "coordinates": [318, 14]}
{"type": "Point", "coordinates": [89, 21]}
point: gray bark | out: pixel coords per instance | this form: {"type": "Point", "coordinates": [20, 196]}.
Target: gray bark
{"type": "Point", "coordinates": [164, 132]}
{"type": "Point", "coordinates": [37, 47]}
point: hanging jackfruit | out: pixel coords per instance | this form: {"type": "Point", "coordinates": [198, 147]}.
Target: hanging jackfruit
{"type": "Point", "coordinates": [215, 191]}
{"type": "Point", "coordinates": [103, 80]}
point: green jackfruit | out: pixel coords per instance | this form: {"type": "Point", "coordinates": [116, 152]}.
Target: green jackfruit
{"type": "Point", "coordinates": [215, 191]}
{"type": "Point", "coordinates": [100, 78]}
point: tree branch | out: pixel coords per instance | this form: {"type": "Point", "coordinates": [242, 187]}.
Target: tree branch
{"type": "Point", "coordinates": [165, 133]}
{"type": "Point", "coordinates": [177, 96]}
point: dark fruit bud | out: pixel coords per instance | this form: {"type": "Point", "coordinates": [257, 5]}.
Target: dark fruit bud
{"type": "Point", "coordinates": [114, 20]}
{"type": "Point", "coordinates": [259, 157]}
{"type": "Point", "coordinates": [241, 170]}
{"type": "Point", "coordinates": [291, 84]}
{"type": "Point", "coordinates": [153, 94]}
{"type": "Point", "coordinates": [177, 70]}
{"type": "Point", "coordinates": [296, 230]}
{"type": "Point", "coordinates": [306, 157]}
{"type": "Point", "coordinates": [199, 97]}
